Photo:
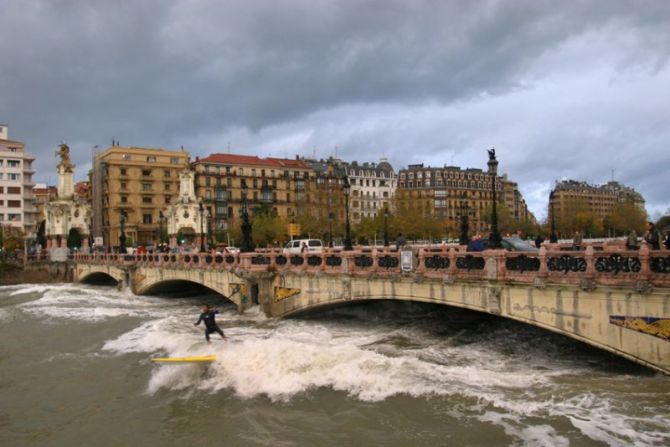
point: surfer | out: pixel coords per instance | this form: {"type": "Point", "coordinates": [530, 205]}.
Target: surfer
{"type": "Point", "coordinates": [207, 316]}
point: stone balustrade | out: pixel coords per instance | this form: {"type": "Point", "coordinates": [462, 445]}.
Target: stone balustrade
{"type": "Point", "coordinates": [587, 268]}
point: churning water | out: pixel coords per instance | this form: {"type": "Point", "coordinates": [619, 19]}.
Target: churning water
{"type": "Point", "coordinates": [75, 368]}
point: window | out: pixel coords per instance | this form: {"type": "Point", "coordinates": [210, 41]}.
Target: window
{"type": "Point", "coordinates": [13, 164]}
{"type": "Point", "coordinates": [208, 181]}
{"type": "Point", "coordinates": [126, 156]}
{"type": "Point", "coordinates": [167, 200]}
{"type": "Point", "coordinates": [1, 161]}
{"type": "Point", "coordinates": [13, 190]}
{"type": "Point", "coordinates": [147, 199]}
{"type": "Point", "coordinates": [208, 194]}
{"type": "Point", "coordinates": [124, 185]}
{"type": "Point", "coordinates": [13, 177]}
{"type": "Point", "coordinates": [14, 217]}
{"type": "Point", "coordinates": [124, 171]}
{"type": "Point", "coordinates": [146, 172]}
{"type": "Point", "coordinates": [173, 161]}
{"type": "Point", "coordinates": [166, 186]}
{"type": "Point", "coordinates": [146, 186]}
{"type": "Point", "coordinates": [146, 218]}
{"type": "Point", "coordinates": [151, 159]}
{"type": "Point", "coordinates": [166, 173]}
{"type": "Point", "coordinates": [124, 199]}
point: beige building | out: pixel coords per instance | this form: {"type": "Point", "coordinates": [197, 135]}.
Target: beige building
{"type": "Point", "coordinates": [450, 191]}
{"type": "Point", "coordinates": [273, 185]}
{"type": "Point", "coordinates": [16, 185]}
{"type": "Point", "coordinates": [138, 183]}
{"type": "Point", "coordinates": [571, 195]}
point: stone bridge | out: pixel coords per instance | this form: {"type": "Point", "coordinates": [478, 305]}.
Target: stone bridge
{"type": "Point", "coordinates": [613, 299]}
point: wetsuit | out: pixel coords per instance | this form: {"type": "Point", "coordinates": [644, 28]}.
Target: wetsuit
{"type": "Point", "coordinates": [210, 323]}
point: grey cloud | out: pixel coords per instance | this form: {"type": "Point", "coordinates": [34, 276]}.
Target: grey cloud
{"type": "Point", "coordinates": [166, 73]}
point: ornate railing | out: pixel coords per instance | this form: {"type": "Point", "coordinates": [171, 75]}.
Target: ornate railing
{"type": "Point", "coordinates": [608, 266]}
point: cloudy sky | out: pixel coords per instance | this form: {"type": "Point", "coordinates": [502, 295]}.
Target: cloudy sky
{"type": "Point", "coordinates": [569, 89]}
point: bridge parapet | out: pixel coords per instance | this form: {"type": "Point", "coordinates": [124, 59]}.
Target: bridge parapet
{"type": "Point", "coordinates": [620, 267]}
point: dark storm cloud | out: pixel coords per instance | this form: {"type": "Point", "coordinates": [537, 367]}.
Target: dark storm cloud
{"type": "Point", "coordinates": [166, 73]}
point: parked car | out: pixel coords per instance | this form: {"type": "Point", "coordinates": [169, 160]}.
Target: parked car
{"type": "Point", "coordinates": [296, 246]}
{"type": "Point", "coordinates": [508, 243]}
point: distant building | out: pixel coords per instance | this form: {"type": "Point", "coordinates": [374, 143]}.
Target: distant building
{"type": "Point", "coordinates": [140, 182]}
{"type": "Point", "coordinates": [450, 191]}
{"type": "Point", "coordinates": [16, 196]}
{"type": "Point", "coordinates": [600, 200]}
{"type": "Point", "coordinates": [43, 194]}
{"type": "Point", "coordinates": [272, 185]}
{"type": "Point", "coordinates": [372, 188]}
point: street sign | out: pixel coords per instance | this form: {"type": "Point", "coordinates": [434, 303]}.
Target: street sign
{"type": "Point", "coordinates": [294, 229]}
{"type": "Point", "coordinates": [406, 260]}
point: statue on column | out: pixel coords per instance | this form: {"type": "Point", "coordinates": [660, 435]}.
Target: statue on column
{"type": "Point", "coordinates": [64, 153]}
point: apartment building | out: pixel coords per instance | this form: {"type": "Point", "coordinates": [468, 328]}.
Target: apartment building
{"type": "Point", "coordinates": [16, 196]}
{"type": "Point", "coordinates": [272, 185]}
{"type": "Point", "coordinates": [138, 183]}
{"type": "Point", "coordinates": [373, 186]}
{"type": "Point", "coordinates": [450, 191]}
{"type": "Point", "coordinates": [569, 195]}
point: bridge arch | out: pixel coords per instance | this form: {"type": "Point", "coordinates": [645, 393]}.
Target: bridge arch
{"type": "Point", "coordinates": [99, 279]}
{"type": "Point", "coordinates": [148, 280]}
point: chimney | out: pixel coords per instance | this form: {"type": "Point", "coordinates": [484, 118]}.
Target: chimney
{"type": "Point", "coordinates": [4, 132]}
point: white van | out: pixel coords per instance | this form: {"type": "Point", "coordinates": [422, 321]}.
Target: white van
{"type": "Point", "coordinates": [295, 247]}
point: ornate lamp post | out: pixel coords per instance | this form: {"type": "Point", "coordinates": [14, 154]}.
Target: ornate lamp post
{"type": "Point", "coordinates": [346, 188]}
{"type": "Point", "coordinates": [331, 217]}
{"type": "Point", "coordinates": [122, 235]}
{"type": "Point", "coordinates": [386, 226]}
{"type": "Point", "coordinates": [553, 237]}
{"type": "Point", "coordinates": [463, 238]}
{"type": "Point", "coordinates": [247, 244]}
{"type": "Point", "coordinates": [210, 236]}
{"type": "Point", "coordinates": [494, 238]}
{"type": "Point", "coordinates": [160, 230]}
{"type": "Point", "coordinates": [201, 210]}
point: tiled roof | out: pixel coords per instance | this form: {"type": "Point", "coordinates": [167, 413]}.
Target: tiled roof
{"type": "Point", "coordinates": [234, 159]}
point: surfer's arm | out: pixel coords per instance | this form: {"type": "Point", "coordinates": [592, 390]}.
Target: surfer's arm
{"type": "Point", "coordinates": [199, 320]}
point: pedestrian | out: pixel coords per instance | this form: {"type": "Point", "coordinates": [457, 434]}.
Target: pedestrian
{"type": "Point", "coordinates": [631, 241]}
{"type": "Point", "coordinates": [577, 241]}
{"type": "Point", "coordinates": [651, 236]}
{"type": "Point", "coordinates": [208, 316]}
{"type": "Point", "coordinates": [666, 242]}
{"type": "Point", "coordinates": [538, 240]}
{"type": "Point", "coordinates": [400, 241]}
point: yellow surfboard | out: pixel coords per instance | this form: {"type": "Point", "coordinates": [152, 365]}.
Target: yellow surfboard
{"type": "Point", "coordinates": [193, 359]}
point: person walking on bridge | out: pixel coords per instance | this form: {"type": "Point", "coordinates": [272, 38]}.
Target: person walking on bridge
{"type": "Point", "coordinates": [208, 316]}
{"type": "Point", "coordinates": [651, 236]}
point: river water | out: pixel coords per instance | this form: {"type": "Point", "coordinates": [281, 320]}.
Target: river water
{"type": "Point", "coordinates": [75, 369]}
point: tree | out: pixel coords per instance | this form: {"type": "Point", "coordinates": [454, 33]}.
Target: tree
{"type": "Point", "coordinates": [625, 216]}
{"type": "Point", "coordinates": [41, 234]}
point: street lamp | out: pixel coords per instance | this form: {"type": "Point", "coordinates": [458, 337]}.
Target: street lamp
{"type": "Point", "coordinates": [122, 235]}
{"type": "Point", "coordinates": [553, 237]}
{"type": "Point", "coordinates": [160, 230]}
{"type": "Point", "coordinates": [201, 209]}
{"type": "Point", "coordinates": [494, 238]}
{"type": "Point", "coordinates": [331, 217]}
{"type": "Point", "coordinates": [464, 239]}
{"type": "Point", "coordinates": [210, 236]}
{"type": "Point", "coordinates": [386, 225]}
{"type": "Point", "coordinates": [346, 188]}
{"type": "Point", "coordinates": [247, 244]}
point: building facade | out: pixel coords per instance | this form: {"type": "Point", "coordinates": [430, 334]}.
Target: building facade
{"type": "Point", "coordinates": [17, 207]}
{"type": "Point", "coordinates": [372, 188]}
{"type": "Point", "coordinates": [137, 183]}
{"type": "Point", "coordinates": [228, 182]}
{"type": "Point", "coordinates": [571, 195]}
{"type": "Point", "coordinates": [450, 192]}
